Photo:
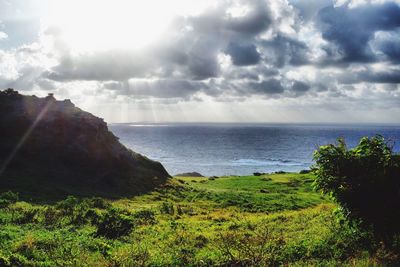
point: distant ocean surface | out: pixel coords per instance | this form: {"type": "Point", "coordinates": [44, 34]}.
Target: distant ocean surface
{"type": "Point", "coordinates": [240, 149]}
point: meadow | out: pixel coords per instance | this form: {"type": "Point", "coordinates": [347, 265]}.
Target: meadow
{"type": "Point", "coordinates": [264, 220]}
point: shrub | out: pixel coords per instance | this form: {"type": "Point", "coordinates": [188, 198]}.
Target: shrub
{"type": "Point", "coordinates": [145, 217]}
{"type": "Point", "coordinates": [114, 224]}
{"type": "Point", "coordinates": [167, 208]}
{"type": "Point", "coordinates": [261, 248]}
{"type": "Point", "coordinates": [8, 198]}
{"type": "Point", "coordinates": [4, 261]}
{"type": "Point", "coordinates": [81, 211]}
{"type": "Point", "coordinates": [98, 203]}
{"type": "Point", "coordinates": [365, 182]}
{"type": "Point", "coordinates": [68, 205]}
{"type": "Point", "coordinates": [51, 216]}
{"type": "Point", "coordinates": [135, 255]}
{"type": "Point", "coordinates": [27, 216]}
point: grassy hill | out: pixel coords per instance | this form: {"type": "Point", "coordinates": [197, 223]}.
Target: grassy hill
{"type": "Point", "coordinates": [52, 148]}
{"type": "Point", "coordinates": [267, 220]}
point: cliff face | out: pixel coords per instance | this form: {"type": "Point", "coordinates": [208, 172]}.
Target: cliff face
{"type": "Point", "coordinates": [52, 146]}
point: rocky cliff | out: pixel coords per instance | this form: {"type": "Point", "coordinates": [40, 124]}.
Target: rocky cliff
{"type": "Point", "coordinates": [53, 147]}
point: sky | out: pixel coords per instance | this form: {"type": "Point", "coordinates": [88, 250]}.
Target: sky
{"type": "Point", "coordinates": [209, 60]}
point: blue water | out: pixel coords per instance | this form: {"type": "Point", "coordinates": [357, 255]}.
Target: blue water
{"type": "Point", "coordinates": [240, 149]}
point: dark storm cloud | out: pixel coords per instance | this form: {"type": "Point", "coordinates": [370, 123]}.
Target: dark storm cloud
{"type": "Point", "coordinates": [381, 77]}
{"type": "Point", "coordinates": [391, 76]}
{"type": "Point", "coordinates": [300, 87]}
{"type": "Point", "coordinates": [162, 88]}
{"type": "Point", "coordinates": [243, 55]}
{"type": "Point", "coordinates": [308, 9]}
{"type": "Point", "coordinates": [101, 66]}
{"type": "Point", "coordinates": [276, 48]}
{"type": "Point", "coordinates": [283, 50]}
{"type": "Point", "coordinates": [198, 63]}
{"type": "Point", "coordinates": [190, 54]}
{"type": "Point", "coordinates": [268, 87]}
{"type": "Point", "coordinates": [391, 47]}
{"type": "Point", "coordinates": [202, 59]}
{"type": "Point", "coordinates": [254, 22]}
{"type": "Point", "coordinates": [350, 29]}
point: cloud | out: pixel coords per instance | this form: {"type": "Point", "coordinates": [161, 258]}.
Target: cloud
{"type": "Point", "coordinates": [255, 21]}
{"type": "Point", "coordinates": [22, 68]}
{"type": "Point", "coordinates": [268, 87]}
{"type": "Point", "coordinates": [283, 50]}
{"type": "Point", "coordinates": [239, 51]}
{"type": "Point", "coordinates": [3, 36]}
{"type": "Point", "coordinates": [243, 55]}
{"type": "Point", "coordinates": [351, 29]}
{"type": "Point", "coordinates": [300, 87]}
{"type": "Point", "coordinates": [162, 88]}
{"type": "Point", "coordinates": [391, 75]}
{"type": "Point", "coordinates": [308, 9]}
{"type": "Point", "coordinates": [190, 49]}
{"type": "Point", "coordinates": [388, 42]}
{"type": "Point", "coordinates": [381, 77]}
{"type": "Point", "coordinates": [101, 66]}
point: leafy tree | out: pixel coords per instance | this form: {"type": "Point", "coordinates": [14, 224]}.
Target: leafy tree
{"type": "Point", "coordinates": [364, 181]}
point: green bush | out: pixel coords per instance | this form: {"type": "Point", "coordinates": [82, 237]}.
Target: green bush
{"type": "Point", "coordinates": [365, 182]}
{"type": "Point", "coordinates": [51, 216]}
{"type": "Point", "coordinates": [28, 215]}
{"type": "Point", "coordinates": [68, 205]}
{"type": "Point", "coordinates": [97, 202]}
{"type": "Point", "coordinates": [145, 217]}
{"type": "Point", "coordinates": [81, 211]}
{"type": "Point", "coordinates": [115, 223]}
{"type": "Point", "coordinates": [167, 208]}
{"type": "Point", "coordinates": [8, 198]}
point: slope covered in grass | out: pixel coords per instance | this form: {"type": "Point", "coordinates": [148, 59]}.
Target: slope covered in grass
{"type": "Point", "coordinates": [187, 222]}
{"type": "Point", "coordinates": [53, 148]}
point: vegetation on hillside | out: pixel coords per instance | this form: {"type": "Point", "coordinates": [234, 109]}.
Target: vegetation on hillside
{"type": "Point", "coordinates": [266, 220]}
{"type": "Point", "coordinates": [52, 148]}
{"type": "Point", "coordinates": [365, 182]}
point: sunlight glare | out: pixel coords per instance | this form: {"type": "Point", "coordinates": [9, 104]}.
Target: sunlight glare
{"type": "Point", "coordinates": [92, 25]}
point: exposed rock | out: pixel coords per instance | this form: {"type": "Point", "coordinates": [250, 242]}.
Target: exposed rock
{"type": "Point", "coordinates": [189, 174]}
{"type": "Point", "coordinates": [52, 146]}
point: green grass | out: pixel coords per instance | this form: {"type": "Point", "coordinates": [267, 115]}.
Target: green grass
{"type": "Point", "coordinates": [267, 220]}
{"type": "Point", "coordinates": [267, 193]}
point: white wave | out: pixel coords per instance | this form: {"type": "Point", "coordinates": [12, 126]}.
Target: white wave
{"type": "Point", "coordinates": [269, 162]}
{"type": "Point", "coordinates": [148, 125]}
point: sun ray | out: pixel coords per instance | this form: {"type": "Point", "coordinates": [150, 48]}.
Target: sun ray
{"type": "Point", "coordinates": [26, 135]}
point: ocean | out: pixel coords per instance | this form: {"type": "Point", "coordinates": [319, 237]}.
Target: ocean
{"type": "Point", "coordinates": [241, 149]}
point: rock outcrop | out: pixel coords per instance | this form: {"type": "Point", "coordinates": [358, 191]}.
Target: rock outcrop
{"type": "Point", "coordinates": [189, 174]}
{"type": "Point", "coordinates": [53, 147]}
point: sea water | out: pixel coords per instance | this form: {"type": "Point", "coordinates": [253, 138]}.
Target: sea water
{"type": "Point", "coordinates": [241, 149]}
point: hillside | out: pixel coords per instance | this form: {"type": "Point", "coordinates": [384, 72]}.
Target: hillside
{"type": "Point", "coordinates": [268, 220]}
{"type": "Point", "coordinates": [52, 147]}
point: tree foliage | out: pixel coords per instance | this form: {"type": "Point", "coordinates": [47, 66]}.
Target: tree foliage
{"type": "Point", "coordinates": [365, 182]}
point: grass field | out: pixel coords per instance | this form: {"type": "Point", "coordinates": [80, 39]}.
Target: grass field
{"type": "Point", "coordinates": [267, 220]}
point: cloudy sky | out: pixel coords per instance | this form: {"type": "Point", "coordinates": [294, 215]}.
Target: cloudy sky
{"type": "Point", "coordinates": [208, 60]}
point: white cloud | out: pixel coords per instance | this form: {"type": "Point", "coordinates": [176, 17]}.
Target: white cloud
{"type": "Point", "coordinates": [275, 60]}
{"type": "Point", "coordinates": [3, 36]}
